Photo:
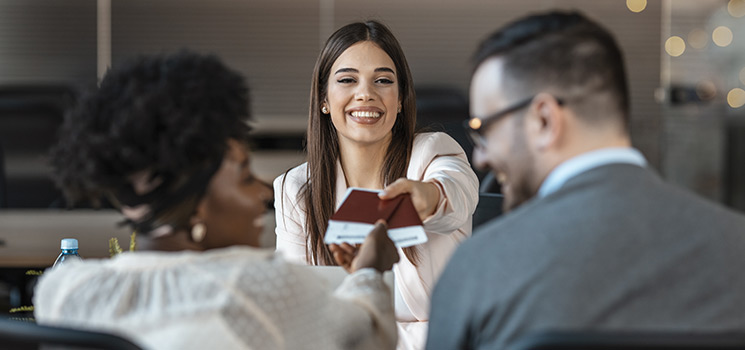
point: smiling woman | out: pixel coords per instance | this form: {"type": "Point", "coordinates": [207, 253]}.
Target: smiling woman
{"type": "Point", "coordinates": [363, 99]}
{"type": "Point", "coordinates": [361, 134]}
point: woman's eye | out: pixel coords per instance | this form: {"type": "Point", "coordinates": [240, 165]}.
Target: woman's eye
{"type": "Point", "coordinates": [385, 81]}
{"type": "Point", "coordinates": [346, 80]}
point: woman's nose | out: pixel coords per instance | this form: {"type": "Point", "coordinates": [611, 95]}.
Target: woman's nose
{"type": "Point", "coordinates": [364, 92]}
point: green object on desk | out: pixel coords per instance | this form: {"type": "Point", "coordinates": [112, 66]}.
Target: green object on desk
{"type": "Point", "coordinates": [22, 309]}
{"type": "Point", "coordinates": [115, 248]}
{"type": "Point", "coordinates": [28, 310]}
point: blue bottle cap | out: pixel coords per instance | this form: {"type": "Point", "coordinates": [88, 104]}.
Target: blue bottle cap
{"type": "Point", "coordinates": [69, 243]}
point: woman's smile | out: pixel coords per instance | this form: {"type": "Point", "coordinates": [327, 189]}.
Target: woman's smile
{"type": "Point", "coordinates": [363, 95]}
{"type": "Point", "coordinates": [365, 115]}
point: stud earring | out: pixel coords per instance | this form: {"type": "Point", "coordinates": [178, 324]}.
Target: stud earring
{"type": "Point", "coordinates": [198, 232]}
{"type": "Point", "coordinates": [324, 110]}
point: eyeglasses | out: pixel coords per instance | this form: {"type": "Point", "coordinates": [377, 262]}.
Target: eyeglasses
{"type": "Point", "coordinates": [475, 126]}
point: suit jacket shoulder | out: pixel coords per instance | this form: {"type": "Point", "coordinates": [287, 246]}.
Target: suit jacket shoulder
{"type": "Point", "coordinates": [614, 247]}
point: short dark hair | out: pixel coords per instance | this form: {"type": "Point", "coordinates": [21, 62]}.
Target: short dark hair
{"type": "Point", "coordinates": [170, 115]}
{"type": "Point", "coordinates": [562, 51]}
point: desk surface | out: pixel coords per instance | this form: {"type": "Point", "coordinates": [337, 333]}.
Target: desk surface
{"type": "Point", "coordinates": [31, 238]}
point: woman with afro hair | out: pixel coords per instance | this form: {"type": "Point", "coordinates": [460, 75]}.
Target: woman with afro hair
{"type": "Point", "coordinates": [164, 139]}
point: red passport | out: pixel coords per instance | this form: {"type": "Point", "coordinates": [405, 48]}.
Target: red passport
{"type": "Point", "coordinates": [361, 208]}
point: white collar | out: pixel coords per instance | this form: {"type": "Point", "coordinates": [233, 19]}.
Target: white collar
{"type": "Point", "coordinates": [586, 161]}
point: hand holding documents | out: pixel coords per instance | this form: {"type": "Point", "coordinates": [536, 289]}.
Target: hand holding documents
{"type": "Point", "coordinates": [361, 208]}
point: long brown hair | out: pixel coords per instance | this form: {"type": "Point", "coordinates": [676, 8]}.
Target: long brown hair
{"type": "Point", "coordinates": [318, 193]}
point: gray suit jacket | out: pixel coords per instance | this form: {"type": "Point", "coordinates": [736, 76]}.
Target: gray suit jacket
{"type": "Point", "coordinates": [614, 248]}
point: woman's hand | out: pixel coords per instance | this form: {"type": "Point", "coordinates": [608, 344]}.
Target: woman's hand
{"type": "Point", "coordinates": [377, 251]}
{"type": "Point", "coordinates": [424, 195]}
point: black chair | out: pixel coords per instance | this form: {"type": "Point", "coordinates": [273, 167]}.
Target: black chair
{"type": "Point", "coordinates": [22, 335]}
{"type": "Point", "coordinates": [624, 340]}
{"type": "Point", "coordinates": [489, 184]}
{"type": "Point", "coordinates": [29, 118]}
{"type": "Point", "coordinates": [489, 207]}
{"type": "Point", "coordinates": [444, 109]}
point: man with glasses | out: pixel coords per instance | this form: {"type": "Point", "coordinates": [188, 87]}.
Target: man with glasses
{"type": "Point", "coordinates": [594, 239]}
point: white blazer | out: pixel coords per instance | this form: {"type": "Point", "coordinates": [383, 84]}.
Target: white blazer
{"type": "Point", "coordinates": [435, 156]}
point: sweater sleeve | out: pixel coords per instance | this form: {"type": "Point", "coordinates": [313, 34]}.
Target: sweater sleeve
{"type": "Point", "coordinates": [290, 230]}
{"type": "Point", "coordinates": [439, 158]}
{"type": "Point", "coordinates": [365, 288]}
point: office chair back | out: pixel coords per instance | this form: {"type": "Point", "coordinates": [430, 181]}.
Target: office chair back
{"type": "Point", "coordinates": [444, 109]}
{"type": "Point", "coordinates": [626, 340]}
{"type": "Point", "coordinates": [489, 207]}
{"type": "Point", "coordinates": [22, 335]}
{"type": "Point", "coordinates": [29, 118]}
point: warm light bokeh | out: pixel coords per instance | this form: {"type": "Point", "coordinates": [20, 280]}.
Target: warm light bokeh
{"type": "Point", "coordinates": [706, 90]}
{"type": "Point", "coordinates": [736, 98]}
{"type": "Point", "coordinates": [698, 38]}
{"type": "Point", "coordinates": [736, 8]}
{"type": "Point", "coordinates": [675, 46]}
{"type": "Point", "coordinates": [636, 5]}
{"type": "Point", "coordinates": [722, 36]}
{"type": "Point", "coordinates": [475, 123]}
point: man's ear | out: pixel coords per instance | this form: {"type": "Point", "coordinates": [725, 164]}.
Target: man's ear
{"type": "Point", "coordinates": [545, 122]}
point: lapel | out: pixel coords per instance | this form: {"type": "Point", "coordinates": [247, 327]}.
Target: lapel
{"type": "Point", "coordinates": [341, 184]}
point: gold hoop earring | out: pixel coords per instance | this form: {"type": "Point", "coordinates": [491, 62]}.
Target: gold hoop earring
{"type": "Point", "coordinates": [324, 110]}
{"type": "Point", "coordinates": [198, 232]}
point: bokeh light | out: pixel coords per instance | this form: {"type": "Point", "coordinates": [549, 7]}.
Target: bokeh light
{"type": "Point", "coordinates": [706, 90]}
{"type": "Point", "coordinates": [722, 36]}
{"type": "Point", "coordinates": [736, 8]}
{"type": "Point", "coordinates": [698, 38]}
{"type": "Point", "coordinates": [736, 98]}
{"type": "Point", "coordinates": [475, 123]}
{"type": "Point", "coordinates": [675, 46]}
{"type": "Point", "coordinates": [636, 5]}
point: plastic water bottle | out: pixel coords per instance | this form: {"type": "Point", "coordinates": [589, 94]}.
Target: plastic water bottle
{"type": "Point", "coordinates": [69, 248]}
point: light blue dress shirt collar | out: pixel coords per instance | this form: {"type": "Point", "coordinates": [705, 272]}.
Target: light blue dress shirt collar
{"type": "Point", "coordinates": [587, 161]}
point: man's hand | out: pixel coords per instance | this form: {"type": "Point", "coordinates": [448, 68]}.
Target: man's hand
{"type": "Point", "coordinates": [424, 195]}
{"type": "Point", "coordinates": [377, 251]}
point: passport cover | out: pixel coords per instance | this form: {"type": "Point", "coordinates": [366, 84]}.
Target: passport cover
{"type": "Point", "coordinates": [361, 208]}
